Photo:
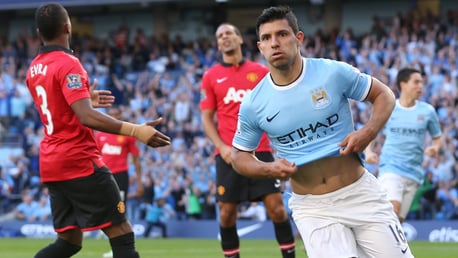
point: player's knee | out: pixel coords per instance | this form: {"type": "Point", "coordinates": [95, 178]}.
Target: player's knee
{"type": "Point", "coordinates": [118, 229]}
{"type": "Point", "coordinates": [227, 215]}
{"type": "Point", "coordinates": [228, 218]}
{"type": "Point", "coordinates": [278, 213]}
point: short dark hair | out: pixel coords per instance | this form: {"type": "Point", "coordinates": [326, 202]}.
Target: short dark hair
{"type": "Point", "coordinates": [50, 19]}
{"type": "Point", "coordinates": [236, 30]}
{"type": "Point", "coordinates": [277, 13]}
{"type": "Point", "coordinates": [404, 76]}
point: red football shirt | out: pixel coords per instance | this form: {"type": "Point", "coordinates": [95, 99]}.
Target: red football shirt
{"type": "Point", "coordinates": [56, 79]}
{"type": "Point", "coordinates": [223, 88]}
{"type": "Point", "coordinates": [115, 150]}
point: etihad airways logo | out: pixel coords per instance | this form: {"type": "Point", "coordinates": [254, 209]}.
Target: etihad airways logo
{"type": "Point", "coordinates": [234, 95]}
{"type": "Point", "coordinates": [408, 131]}
{"type": "Point", "coordinates": [310, 132]}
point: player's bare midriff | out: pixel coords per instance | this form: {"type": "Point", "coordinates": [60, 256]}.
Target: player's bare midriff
{"type": "Point", "coordinates": [326, 175]}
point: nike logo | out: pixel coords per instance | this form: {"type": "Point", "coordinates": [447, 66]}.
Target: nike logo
{"type": "Point", "coordinates": [272, 117]}
{"type": "Point", "coordinates": [220, 80]}
{"type": "Point", "coordinates": [277, 184]}
{"type": "Point", "coordinates": [246, 230]}
{"type": "Point", "coordinates": [404, 250]}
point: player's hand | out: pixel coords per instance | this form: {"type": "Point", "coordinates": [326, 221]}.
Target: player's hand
{"type": "Point", "coordinates": [100, 98]}
{"type": "Point", "coordinates": [140, 189]}
{"type": "Point", "coordinates": [158, 139]}
{"type": "Point", "coordinates": [146, 133]}
{"type": "Point", "coordinates": [283, 169]}
{"type": "Point", "coordinates": [431, 151]}
{"type": "Point", "coordinates": [371, 157]}
{"type": "Point", "coordinates": [225, 152]}
{"type": "Point", "coordinates": [355, 142]}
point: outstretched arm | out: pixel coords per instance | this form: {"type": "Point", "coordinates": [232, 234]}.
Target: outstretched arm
{"type": "Point", "coordinates": [99, 121]}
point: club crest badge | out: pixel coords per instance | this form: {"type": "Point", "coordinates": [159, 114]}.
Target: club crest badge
{"type": "Point", "coordinates": [121, 207]}
{"type": "Point", "coordinates": [221, 190]}
{"type": "Point", "coordinates": [320, 98]}
{"type": "Point", "coordinates": [252, 77]}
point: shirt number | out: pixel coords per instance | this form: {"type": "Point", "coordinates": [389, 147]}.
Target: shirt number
{"type": "Point", "coordinates": [44, 109]}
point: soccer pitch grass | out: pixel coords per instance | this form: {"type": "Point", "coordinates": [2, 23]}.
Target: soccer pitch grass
{"type": "Point", "coordinates": [196, 248]}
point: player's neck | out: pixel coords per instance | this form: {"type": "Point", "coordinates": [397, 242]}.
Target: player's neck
{"type": "Point", "coordinates": [235, 59]}
{"type": "Point", "coordinates": [62, 42]}
{"type": "Point", "coordinates": [406, 101]}
{"type": "Point", "coordinates": [284, 77]}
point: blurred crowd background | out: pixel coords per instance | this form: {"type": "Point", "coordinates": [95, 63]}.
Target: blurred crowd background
{"type": "Point", "coordinates": [159, 75]}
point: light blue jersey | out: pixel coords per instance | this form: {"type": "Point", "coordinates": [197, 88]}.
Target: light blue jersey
{"type": "Point", "coordinates": [405, 131]}
{"type": "Point", "coordinates": [307, 119]}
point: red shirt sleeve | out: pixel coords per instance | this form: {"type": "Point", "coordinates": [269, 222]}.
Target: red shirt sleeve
{"type": "Point", "coordinates": [207, 94]}
{"type": "Point", "coordinates": [74, 82]}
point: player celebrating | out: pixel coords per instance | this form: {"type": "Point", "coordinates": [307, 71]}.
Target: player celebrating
{"type": "Point", "coordinates": [223, 87]}
{"type": "Point", "coordinates": [303, 105]}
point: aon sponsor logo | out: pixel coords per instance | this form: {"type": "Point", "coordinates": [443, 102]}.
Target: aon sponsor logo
{"type": "Point", "coordinates": [234, 95]}
{"type": "Point", "coordinates": [111, 149]}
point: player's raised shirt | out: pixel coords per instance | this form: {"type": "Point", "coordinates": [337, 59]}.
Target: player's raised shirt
{"type": "Point", "coordinates": [307, 119]}
{"type": "Point", "coordinates": [223, 88]}
{"type": "Point", "coordinates": [115, 150]}
{"type": "Point", "coordinates": [405, 131]}
{"type": "Point", "coordinates": [56, 80]}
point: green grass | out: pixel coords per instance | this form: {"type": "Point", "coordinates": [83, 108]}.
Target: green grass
{"type": "Point", "coordinates": [196, 248]}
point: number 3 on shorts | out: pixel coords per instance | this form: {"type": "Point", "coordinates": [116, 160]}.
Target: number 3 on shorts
{"type": "Point", "coordinates": [44, 109]}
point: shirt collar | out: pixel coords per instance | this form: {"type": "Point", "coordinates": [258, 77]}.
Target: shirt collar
{"type": "Point", "coordinates": [50, 48]}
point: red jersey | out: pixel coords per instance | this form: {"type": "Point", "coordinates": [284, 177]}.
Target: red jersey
{"type": "Point", "coordinates": [115, 150]}
{"type": "Point", "coordinates": [56, 79]}
{"type": "Point", "coordinates": [223, 88]}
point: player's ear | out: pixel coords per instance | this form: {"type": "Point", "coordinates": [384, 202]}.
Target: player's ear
{"type": "Point", "coordinates": [300, 38]}
{"type": "Point", "coordinates": [67, 28]}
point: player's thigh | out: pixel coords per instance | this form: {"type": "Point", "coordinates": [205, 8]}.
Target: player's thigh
{"type": "Point", "coordinates": [230, 186]}
{"type": "Point", "coordinates": [122, 179]}
{"type": "Point", "coordinates": [260, 188]}
{"type": "Point", "coordinates": [383, 239]}
{"type": "Point", "coordinates": [324, 239]}
{"type": "Point", "coordinates": [62, 210]}
{"type": "Point", "coordinates": [96, 200]}
{"type": "Point", "coordinates": [411, 188]}
{"type": "Point", "coordinates": [393, 184]}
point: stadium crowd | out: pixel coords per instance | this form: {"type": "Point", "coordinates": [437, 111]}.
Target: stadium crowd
{"type": "Point", "coordinates": [153, 76]}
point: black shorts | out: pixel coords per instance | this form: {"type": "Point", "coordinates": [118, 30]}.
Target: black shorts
{"type": "Point", "coordinates": [233, 187]}
{"type": "Point", "coordinates": [122, 179]}
{"type": "Point", "coordinates": [88, 203]}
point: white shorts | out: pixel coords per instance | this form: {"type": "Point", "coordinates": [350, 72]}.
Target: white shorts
{"type": "Point", "coordinates": [354, 221]}
{"type": "Point", "coordinates": [399, 188]}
